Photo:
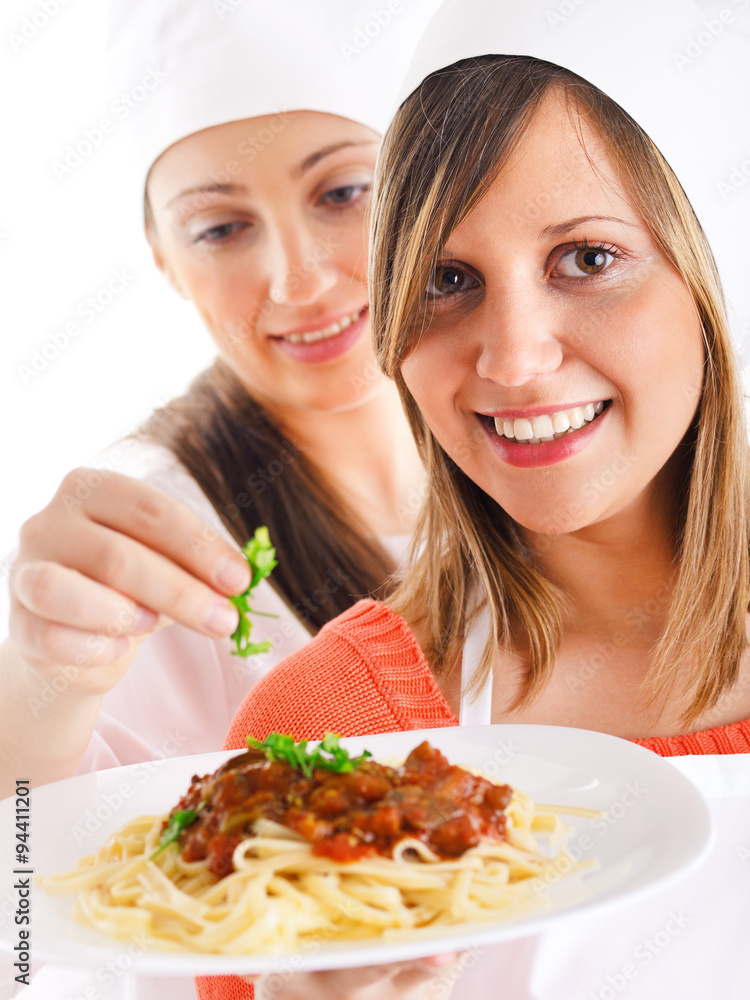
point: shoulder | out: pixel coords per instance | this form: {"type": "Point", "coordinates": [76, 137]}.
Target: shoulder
{"type": "Point", "coordinates": [363, 673]}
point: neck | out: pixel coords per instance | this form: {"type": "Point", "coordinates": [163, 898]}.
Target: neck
{"type": "Point", "coordinates": [367, 454]}
{"type": "Point", "coordinates": [617, 574]}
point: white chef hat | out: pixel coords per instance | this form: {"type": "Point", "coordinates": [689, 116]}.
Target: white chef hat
{"type": "Point", "coordinates": [189, 64]}
{"type": "Point", "coordinates": [680, 68]}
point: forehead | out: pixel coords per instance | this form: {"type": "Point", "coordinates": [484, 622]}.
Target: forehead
{"type": "Point", "coordinates": [247, 148]}
{"type": "Point", "coordinates": [561, 169]}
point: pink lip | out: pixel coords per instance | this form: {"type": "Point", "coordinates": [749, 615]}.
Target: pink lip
{"type": "Point", "coordinates": [536, 456]}
{"type": "Point", "coordinates": [538, 411]}
{"type": "Point", "coordinates": [317, 324]}
{"type": "Point", "coordinates": [324, 350]}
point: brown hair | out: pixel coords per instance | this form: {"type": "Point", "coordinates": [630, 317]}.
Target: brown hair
{"type": "Point", "coordinates": [253, 475]}
{"type": "Point", "coordinates": [443, 150]}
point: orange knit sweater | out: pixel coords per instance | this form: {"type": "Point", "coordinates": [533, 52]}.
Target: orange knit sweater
{"type": "Point", "coordinates": [365, 673]}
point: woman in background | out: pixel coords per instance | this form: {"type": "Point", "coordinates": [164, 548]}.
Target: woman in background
{"type": "Point", "coordinates": [259, 150]}
{"type": "Point", "coordinates": [548, 304]}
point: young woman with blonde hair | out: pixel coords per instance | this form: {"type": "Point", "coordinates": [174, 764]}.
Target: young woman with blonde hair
{"type": "Point", "coordinates": [546, 300]}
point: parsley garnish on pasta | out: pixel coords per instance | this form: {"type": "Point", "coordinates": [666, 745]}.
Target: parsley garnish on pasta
{"type": "Point", "coordinates": [327, 756]}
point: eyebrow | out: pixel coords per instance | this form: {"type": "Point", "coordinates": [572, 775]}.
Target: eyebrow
{"type": "Point", "coordinates": [556, 231]}
{"type": "Point", "coordinates": [309, 162]}
{"type": "Point", "coordinates": [209, 189]}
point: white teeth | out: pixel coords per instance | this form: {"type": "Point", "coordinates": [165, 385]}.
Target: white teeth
{"type": "Point", "coordinates": [542, 426]}
{"type": "Point", "coordinates": [325, 332]}
{"type": "Point", "coordinates": [560, 422]}
{"type": "Point", "coordinates": [548, 427]}
{"type": "Point", "coordinates": [522, 429]}
{"type": "Point", "coordinates": [576, 418]}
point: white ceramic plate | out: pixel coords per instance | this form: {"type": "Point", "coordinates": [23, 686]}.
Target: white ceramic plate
{"type": "Point", "coordinates": [657, 830]}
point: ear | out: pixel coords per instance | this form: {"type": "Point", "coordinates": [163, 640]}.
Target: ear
{"type": "Point", "coordinates": [160, 260]}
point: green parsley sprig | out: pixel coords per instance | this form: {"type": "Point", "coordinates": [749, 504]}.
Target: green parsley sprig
{"type": "Point", "coordinates": [261, 558]}
{"type": "Point", "coordinates": [327, 756]}
{"type": "Point", "coordinates": [179, 822]}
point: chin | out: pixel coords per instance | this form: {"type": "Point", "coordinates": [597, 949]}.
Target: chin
{"type": "Point", "coordinates": [554, 518]}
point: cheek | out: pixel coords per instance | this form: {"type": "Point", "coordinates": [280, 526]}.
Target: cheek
{"type": "Point", "coordinates": [667, 365]}
{"type": "Point", "coordinates": [224, 295]}
{"type": "Point", "coordinates": [435, 378]}
{"type": "Point", "coordinates": [346, 249]}
{"type": "Point", "coordinates": [428, 380]}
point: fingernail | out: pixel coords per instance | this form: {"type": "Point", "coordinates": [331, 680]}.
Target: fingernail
{"type": "Point", "coordinates": [221, 618]}
{"type": "Point", "coordinates": [232, 575]}
{"type": "Point", "coordinates": [144, 621]}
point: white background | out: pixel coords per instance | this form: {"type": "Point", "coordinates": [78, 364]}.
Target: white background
{"type": "Point", "coordinates": [60, 239]}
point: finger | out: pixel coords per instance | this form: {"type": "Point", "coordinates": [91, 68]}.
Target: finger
{"type": "Point", "coordinates": [440, 961]}
{"type": "Point", "coordinates": [148, 578]}
{"type": "Point", "coordinates": [42, 644]}
{"type": "Point", "coordinates": [66, 597]}
{"type": "Point", "coordinates": [166, 525]}
{"type": "Point", "coordinates": [409, 980]}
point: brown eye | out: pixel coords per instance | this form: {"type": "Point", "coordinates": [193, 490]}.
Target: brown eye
{"type": "Point", "coordinates": [591, 261]}
{"type": "Point", "coordinates": [448, 280]}
{"type": "Point", "coordinates": [584, 261]}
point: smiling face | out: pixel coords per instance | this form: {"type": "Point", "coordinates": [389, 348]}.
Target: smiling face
{"type": "Point", "coordinates": [562, 363]}
{"type": "Point", "coordinates": [261, 224]}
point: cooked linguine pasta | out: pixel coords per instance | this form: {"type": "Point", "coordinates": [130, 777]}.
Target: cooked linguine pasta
{"type": "Point", "coordinates": [423, 847]}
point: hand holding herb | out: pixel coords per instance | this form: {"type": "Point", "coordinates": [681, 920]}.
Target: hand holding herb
{"type": "Point", "coordinates": [261, 558]}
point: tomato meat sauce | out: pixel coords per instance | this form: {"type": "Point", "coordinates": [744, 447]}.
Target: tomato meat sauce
{"type": "Point", "coordinates": [347, 816]}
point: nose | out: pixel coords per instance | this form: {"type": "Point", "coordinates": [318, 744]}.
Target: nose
{"type": "Point", "coordinates": [301, 267]}
{"type": "Point", "coordinates": [520, 341]}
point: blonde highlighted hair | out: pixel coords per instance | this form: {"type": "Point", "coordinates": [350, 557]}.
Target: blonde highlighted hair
{"type": "Point", "coordinates": [443, 150]}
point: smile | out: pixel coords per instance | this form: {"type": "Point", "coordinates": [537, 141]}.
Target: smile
{"type": "Point", "coordinates": [548, 427]}
{"type": "Point", "coordinates": [325, 332]}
